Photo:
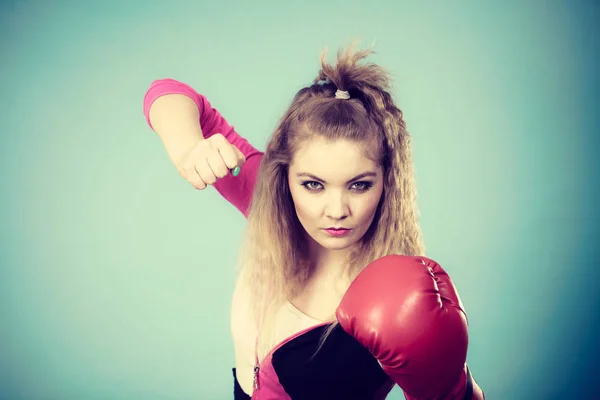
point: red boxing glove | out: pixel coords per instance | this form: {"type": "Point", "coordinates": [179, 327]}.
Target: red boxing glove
{"type": "Point", "coordinates": [407, 313]}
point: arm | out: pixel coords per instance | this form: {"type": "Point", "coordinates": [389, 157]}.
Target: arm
{"type": "Point", "coordinates": [181, 117]}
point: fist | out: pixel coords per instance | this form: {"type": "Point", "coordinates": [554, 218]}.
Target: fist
{"type": "Point", "coordinates": [210, 159]}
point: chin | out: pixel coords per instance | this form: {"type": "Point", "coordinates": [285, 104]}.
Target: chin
{"type": "Point", "coordinates": [336, 244]}
{"type": "Point", "coordinates": [339, 248]}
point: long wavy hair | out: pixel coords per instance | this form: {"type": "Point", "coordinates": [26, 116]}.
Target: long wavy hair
{"type": "Point", "coordinates": [274, 252]}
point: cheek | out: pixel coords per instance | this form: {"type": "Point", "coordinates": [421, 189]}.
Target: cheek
{"type": "Point", "coordinates": [306, 207]}
{"type": "Point", "coordinates": [366, 208]}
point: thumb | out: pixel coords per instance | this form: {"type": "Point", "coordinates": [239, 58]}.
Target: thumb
{"type": "Point", "coordinates": [240, 156]}
{"type": "Point", "coordinates": [241, 159]}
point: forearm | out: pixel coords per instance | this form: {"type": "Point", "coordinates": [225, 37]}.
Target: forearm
{"type": "Point", "coordinates": [175, 119]}
{"type": "Point", "coordinates": [181, 117]}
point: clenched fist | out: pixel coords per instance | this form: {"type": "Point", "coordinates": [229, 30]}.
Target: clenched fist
{"type": "Point", "coordinates": [210, 159]}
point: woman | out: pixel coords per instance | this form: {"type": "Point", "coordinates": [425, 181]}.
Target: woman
{"type": "Point", "coordinates": [334, 299]}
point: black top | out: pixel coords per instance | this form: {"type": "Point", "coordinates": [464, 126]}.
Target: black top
{"type": "Point", "coordinates": [342, 369]}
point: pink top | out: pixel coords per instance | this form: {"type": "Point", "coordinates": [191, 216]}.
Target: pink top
{"type": "Point", "coordinates": [237, 190]}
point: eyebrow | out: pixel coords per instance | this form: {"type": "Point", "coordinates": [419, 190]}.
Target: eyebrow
{"type": "Point", "coordinates": [316, 178]}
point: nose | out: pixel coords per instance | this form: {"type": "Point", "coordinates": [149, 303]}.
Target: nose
{"type": "Point", "coordinates": [336, 206]}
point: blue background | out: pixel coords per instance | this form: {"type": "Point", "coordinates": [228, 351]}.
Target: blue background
{"type": "Point", "coordinates": [116, 275]}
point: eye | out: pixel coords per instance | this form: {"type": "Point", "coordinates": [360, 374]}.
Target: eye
{"type": "Point", "coordinates": [361, 186]}
{"type": "Point", "coordinates": [312, 185]}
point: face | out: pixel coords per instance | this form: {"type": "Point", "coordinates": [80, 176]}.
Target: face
{"type": "Point", "coordinates": [335, 185]}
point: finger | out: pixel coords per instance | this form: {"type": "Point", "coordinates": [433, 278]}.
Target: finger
{"type": "Point", "coordinates": [235, 171]}
{"type": "Point", "coordinates": [205, 172]}
{"type": "Point", "coordinates": [240, 156]}
{"type": "Point", "coordinates": [230, 156]}
{"type": "Point", "coordinates": [192, 177]}
{"type": "Point", "coordinates": [241, 160]}
{"type": "Point", "coordinates": [217, 164]}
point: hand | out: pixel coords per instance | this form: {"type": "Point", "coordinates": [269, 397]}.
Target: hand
{"type": "Point", "coordinates": [210, 159]}
{"type": "Point", "coordinates": [407, 313]}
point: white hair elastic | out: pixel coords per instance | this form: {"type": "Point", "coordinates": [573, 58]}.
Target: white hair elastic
{"type": "Point", "coordinates": [342, 94]}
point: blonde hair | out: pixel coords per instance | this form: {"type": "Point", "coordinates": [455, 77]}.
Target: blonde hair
{"type": "Point", "coordinates": [273, 256]}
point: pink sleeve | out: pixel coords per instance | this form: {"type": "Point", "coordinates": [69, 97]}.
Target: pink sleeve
{"type": "Point", "coordinates": [237, 190]}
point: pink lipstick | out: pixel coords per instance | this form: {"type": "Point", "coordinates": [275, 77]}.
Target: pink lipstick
{"type": "Point", "coordinates": [337, 232]}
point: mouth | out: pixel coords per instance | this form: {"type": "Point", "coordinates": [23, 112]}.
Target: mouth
{"type": "Point", "coordinates": [337, 232]}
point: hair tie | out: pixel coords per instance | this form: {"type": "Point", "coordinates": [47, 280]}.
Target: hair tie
{"type": "Point", "coordinates": [342, 94]}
